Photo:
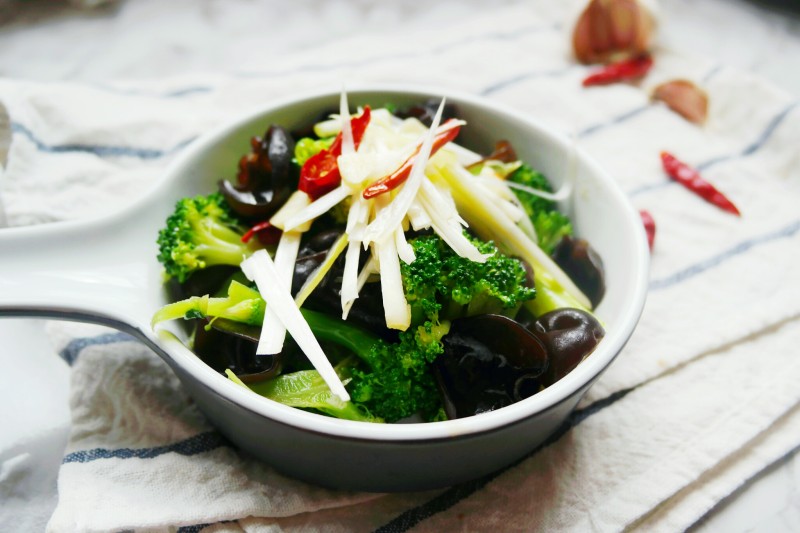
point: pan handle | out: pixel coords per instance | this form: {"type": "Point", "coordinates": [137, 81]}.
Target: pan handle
{"type": "Point", "coordinates": [102, 271]}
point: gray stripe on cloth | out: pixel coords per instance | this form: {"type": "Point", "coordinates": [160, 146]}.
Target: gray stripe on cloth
{"type": "Point", "coordinates": [535, 74]}
{"type": "Point", "coordinates": [744, 486]}
{"type": "Point", "coordinates": [752, 148]}
{"type": "Point", "coordinates": [614, 121]}
{"type": "Point", "coordinates": [175, 93]}
{"type": "Point", "coordinates": [73, 349]}
{"type": "Point", "coordinates": [760, 141]}
{"type": "Point", "coordinates": [716, 69]}
{"type": "Point", "coordinates": [97, 149]}
{"type": "Point", "coordinates": [455, 494]}
{"type": "Point", "coordinates": [713, 261]}
{"type": "Point", "coordinates": [201, 443]}
{"type": "Point", "coordinates": [199, 527]}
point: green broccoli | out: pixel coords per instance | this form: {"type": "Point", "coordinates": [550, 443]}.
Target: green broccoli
{"type": "Point", "coordinates": [201, 232]}
{"type": "Point", "coordinates": [441, 285]}
{"type": "Point", "coordinates": [393, 380]}
{"type": "Point", "coordinates": [390, 383]}
{"type": "Point", "coordinates": [550, 223]}
{"type": "Point", "coordinates": [242, 304]}
{"type": "Point", "coordinates": [398, 383]}
{"type": "Point", "coordinates": [308, 147]}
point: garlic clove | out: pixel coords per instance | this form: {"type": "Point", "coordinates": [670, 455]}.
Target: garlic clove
{"type": "Point", "coordinates": [611, 30]}
{"type": "Point", "coordinates": [685, 98]}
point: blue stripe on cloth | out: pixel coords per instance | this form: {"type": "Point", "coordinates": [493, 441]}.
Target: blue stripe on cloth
{"type": "Point", "coordinates": [716, 69]}
{"type": "Point", "coordinates": [96, 149]}
{"type": "Point", "coordinates": [505, 84]}
{"type": "Point", "coordinates": [176, 93]}
{"type": "Point", "coordinates": [201, 443]}
{"type": "Point", "coordinates": [711, 262]}
{"type": "Point", "coordinates": [619, 119]}
{"type": "Point", "coordinates": [753, 147]}
{"type": "Point", "coordinates": [635, 112]}
{"type": "Point", "coordinates": [760, 141]}
{"type": "Point", "coordinates": [744, 486]}
{"type": "Point", "coordinates": [455, 494]}
{"type": "Point", "coordinates": [196, 528]}
{"type": "Point", "coordinates": [71, 351]}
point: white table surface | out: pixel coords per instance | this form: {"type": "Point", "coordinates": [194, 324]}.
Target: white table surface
{"type": "Point", "coordinates": [134, 39]}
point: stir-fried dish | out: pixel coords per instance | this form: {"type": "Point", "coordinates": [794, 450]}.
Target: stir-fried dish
{"type": "Point", "coordinates": [371, 268]}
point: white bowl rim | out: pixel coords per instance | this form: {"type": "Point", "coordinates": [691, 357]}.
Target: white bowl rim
{"type": "Point", "coordinates": [583, 374]}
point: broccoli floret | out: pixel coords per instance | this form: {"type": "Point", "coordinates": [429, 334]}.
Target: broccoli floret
{"type": "Point", "coordinates": [441, 285]}
{"type": "Point", "coordinates": [550, 223]}
{"type": "Point", "coordinates": [394, 382]}
{"type": "Point", "coordinates": [201, 232]}
{"type": "Point", "coordinates": [399, 383]}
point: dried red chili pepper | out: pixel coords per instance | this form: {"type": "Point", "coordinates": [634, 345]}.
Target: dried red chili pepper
{"type": "Point", "coordinates": [320, 173]}
{"type": "Point", "coordinates": [692, 180]}
{"type": "Point", "coordinates": [393, 180]}
{"type": "Point", "coordinates": [627, 70]}
{"type": "Point", "coordinates": [649, 227]}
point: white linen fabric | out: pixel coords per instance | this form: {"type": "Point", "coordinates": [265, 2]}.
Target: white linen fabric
{"type": "Point", "coordinates": [703, 397]}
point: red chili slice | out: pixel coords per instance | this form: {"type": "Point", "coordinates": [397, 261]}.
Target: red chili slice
{"type": "Point", "coordinates": [320, 174]}
{"type": "Point", "coordinates": [393, 180]}
{"type": "Point", "coordinates": [692, 180]}
{"type": "Point", "coordinates": [628, 70]}
{"type": "Point", "coordinates": [266, 232]}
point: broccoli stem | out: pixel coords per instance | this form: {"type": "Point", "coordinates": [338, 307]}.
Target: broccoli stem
{"type": "Point", "coordinates": [218, 244]}
{"type": "Point", "coordinates": [332, 329]}
{"type": "Point", "coordinates": [242, 304]}
{"type": "Point", "coordinates": [221, 253]}
{"type": "Point", "coordinates": [181, 309]}
{"type": "Point", "coordinates": [218, 233]}
{"type": "Point", "coordinates": [549, 298]}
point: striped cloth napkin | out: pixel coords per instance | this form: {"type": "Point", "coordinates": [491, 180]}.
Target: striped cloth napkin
{"type": "Point", "coordinates": [703, 398]}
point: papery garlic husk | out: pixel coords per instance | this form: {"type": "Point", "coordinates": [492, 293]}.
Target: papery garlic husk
{"type": "Point", "coordinates": [613, 30]}
{"type": "Point", "coordinates": [685, 98]}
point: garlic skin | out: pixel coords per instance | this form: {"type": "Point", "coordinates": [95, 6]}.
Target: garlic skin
{"type": "Point", "coordinates": [685, 98]}
{"type": "Point", "coordinates": [613, 30]}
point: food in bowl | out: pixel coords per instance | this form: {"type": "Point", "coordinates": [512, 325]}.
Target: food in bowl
{"type": "Point", "coordinates": [414, 276]}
